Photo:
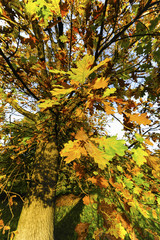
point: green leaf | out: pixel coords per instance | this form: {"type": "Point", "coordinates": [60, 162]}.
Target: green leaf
{"type": "Point", "coordinates": [119, 168]}
{"type": "Point", "coordinates": [111, 146]}
{"type": "Point", "coordinates": [128, 183]}
{"type": "Point", "coordinates": [139, 138]}
{"type": "Point", "coordinates": [63, 38]}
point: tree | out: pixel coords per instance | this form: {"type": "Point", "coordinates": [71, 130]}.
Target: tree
{"type": "Point", "coordinates": [67, 67]}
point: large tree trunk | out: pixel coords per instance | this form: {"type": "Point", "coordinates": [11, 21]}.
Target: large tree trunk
{"type": "Point", "coordinates": [37, 217]}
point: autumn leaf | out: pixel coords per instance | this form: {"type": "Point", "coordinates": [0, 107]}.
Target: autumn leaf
{"type": "Point", "coordinates": [100, 83]}
{"type": "Point", "coordinates": [48, 103]}
{"type": "Point", "coordinates": [102, 63]}
{"type": "Point", "coordinates": [55, 7]}
{"type": "Point", "coordinates": [61, 91]}
{"type": "Point", "coordinates": [99, 156]}
{"type": "Point", "coordinates": [79, 74]}
{"type": "Point", "coordinates": [82, 230]}
{"type": "Point", "coordinates": [81, 135]}
{"type": "Point", "coordinates": [111, 146]}
{"type": "Point", "coordinates": [139, 138]}
{"type": "Point", "coordinates": [1, 224]}
{"type": "Point", "coordinates": [147, 141]}
{"type": "Point", "coordinates": [108, 108]}
{"type": "Point", "coordinates": [99, 181]}
{"type": "Point", "coordinates": [72, 150]}
{"type": "Point", "coordinates": [81, 5]}
{"type": "Point", "coordinates": [109, 91]}
{"type": "Point", "coordinates": [140, 119]}
{"type": "Point", "coordinates": [63, 38]}
{"type": "Point", "coordinates": [87, 200]}
{"type": "Point", "coordinates": [154, 214]}
{"type": "Point", "coordinates": [139, 155]}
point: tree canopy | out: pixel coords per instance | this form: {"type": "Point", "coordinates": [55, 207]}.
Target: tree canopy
{"type": "Point", "coordinates": [70, 67]}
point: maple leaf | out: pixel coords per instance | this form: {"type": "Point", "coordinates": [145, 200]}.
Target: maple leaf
{"type": "Point", "coordinates": [55, 7]}
{"type": "Point", "coordinates": [106, 60]}
{"type": "Point", "coordinates": [99, 156]}
{"type": "Point", "coordinates": [147, 141]}
{"type": "Point", "coordinates": [81, 135]}
{"type": "Point", "coordinates": [140, 119]}
{"type": "Point", "coordinates": [111, 145]}
{"type": "Point", "coordinates": [99, 181]}
{"type": "Point", "coordinates": [108, 108]}
{"type": "Point", "coordinates": [139, 155]}
{"type": "Point", "coordinates": [72, 150]}
{"type": "Point", "coordinates": [88, 200]}
{"type": "Point", "coordinates": [79, 74]}
{"type": "Point", "coordinates": [100, 83]}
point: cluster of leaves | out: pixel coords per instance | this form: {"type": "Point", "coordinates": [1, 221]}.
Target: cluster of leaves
{"type": "Point", "coordinates": [64, 64]}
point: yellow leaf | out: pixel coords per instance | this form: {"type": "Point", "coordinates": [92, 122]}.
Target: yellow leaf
{"type": "Point", "coordinates": [139, 155]}
{"type": "Point", "coordinates": [72, 150]}
{"type": "Point", "coordinates": [48, 103]}
{"type": "Point", "coordinates": [56, 7]}
{"type": "Point", "coordinates": [81, 5]}
{"type": "Point", "coordinates": [101, 83]}
{"type": "Point", "coordinates": [81, 135]}
{"type": "Point", "coordinates": [109, 91]}
{"type": "Point", "coordinates": [154, 213]}
{"type": "Point", "coordinates": [100, 64]}
{"type": "Point", "coordinates": [99, 157]}
{"type": "Point", "coordinates": [137, 190]}
{"type": "Point", "coordinates": [79, 74]}
{"type": "Point", "coordinates": [63, 91]}
{"type": "Point", "coordinates": [143, 211]}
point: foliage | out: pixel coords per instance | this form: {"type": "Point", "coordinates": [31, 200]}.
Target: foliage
{"type": "Point", "coordinates": [69, 67]}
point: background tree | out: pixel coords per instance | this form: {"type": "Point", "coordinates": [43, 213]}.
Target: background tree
{"type": "Point", "coordinates": [68, 67]}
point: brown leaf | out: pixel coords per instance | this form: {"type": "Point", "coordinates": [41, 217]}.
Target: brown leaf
{"type": "Point", "coordinates": [82, 230]}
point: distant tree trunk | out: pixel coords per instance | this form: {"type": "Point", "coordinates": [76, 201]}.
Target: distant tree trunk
{"type": "Point", "coordinates": [37, 217]}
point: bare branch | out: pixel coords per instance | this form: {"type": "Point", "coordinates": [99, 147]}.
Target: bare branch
{"type": "Point", "coordinates": [17, 75]}
{"type": "Point", "coordinates": [101, 31]}
{"type": "Point", "coordinates": [123, 30]}
{"type": "Point", "coordinates": [22, 111]}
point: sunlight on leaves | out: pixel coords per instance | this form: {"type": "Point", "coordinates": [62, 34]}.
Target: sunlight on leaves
{"type": "Point", "coordinates": [139, 155]}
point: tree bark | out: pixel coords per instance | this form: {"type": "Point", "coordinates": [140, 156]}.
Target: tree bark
{"type": "Point", "coordinates": [37, 217]}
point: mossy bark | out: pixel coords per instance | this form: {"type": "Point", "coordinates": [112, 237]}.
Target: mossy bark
{"type": "Point", "coordinates": [37, 217]}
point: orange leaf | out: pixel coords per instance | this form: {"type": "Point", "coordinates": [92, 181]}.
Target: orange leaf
{"type": "Point", "coordinates": [147, 141]}
{"type": "Point", "coordinates": [87, 200]}
{"type": "Point", "coordinates": [140, 119]}
{"type": "Point", "coordinates": [1, 224]}
{"type": "Point", "coordinates": [99, 181]}
{"type": "Point", "coordinates": [100, 83]}
{"type": "Point", "coordinates": [108, 108]}
{"type": "Point", "coordinates": [81, 135]}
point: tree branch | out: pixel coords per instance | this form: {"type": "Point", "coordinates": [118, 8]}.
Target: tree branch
{"type": "Point", "coordinates": [123, 30]}
{"type": "Point", "coordinates": [22, 111]}
{"type": "Point", "coordinates": [17, 75]}
{"type": "Point", "coordinates": [101, 31]}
